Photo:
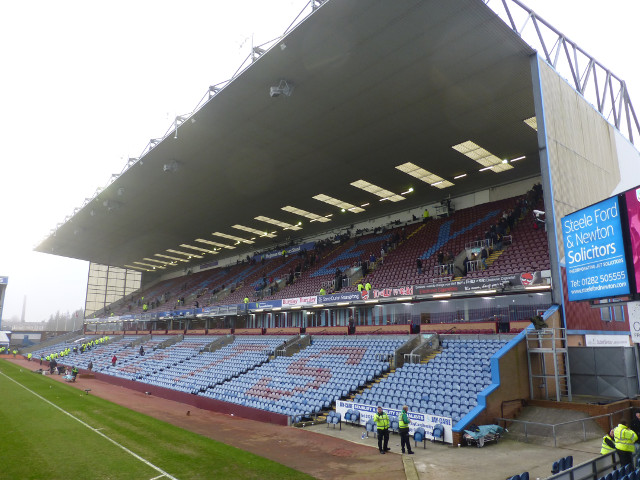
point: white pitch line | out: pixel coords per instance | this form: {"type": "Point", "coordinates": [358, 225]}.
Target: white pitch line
{"type": "Point", "coordinates": [147, 462]}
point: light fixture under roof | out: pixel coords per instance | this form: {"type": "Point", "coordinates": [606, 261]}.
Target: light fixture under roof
{"type": "Point", "coordinates": [304, 213]}
{"type": "Point", "coordinates": [460, 176]}
{"type": "Point", "coordinates": [262, 233]}
{"type": "Point", "coordinates": [379, 191]}
{"type": "Point", "coordinates": [161, 262]}
{"type": "Point", "coordinates": [186, 254]}
{"type": "Point", "coordinates": [215, 244]}
{"type": "Point", "coordinates": [231, 237]}
{"type": "Point", "coordinates": [532, 122]}
{"type": "Point", "coordinates": [338, 203]}
{"type": "Point", "coordinates": [138, 268]}
{"type": "Point", "coordinates": [198, 248]}
{"type": "Point", "coordinates": [424, 175]}
{"type": "Point", "coordinates": [479, 155]}
{"type": "Point", "coordinates": [278, 223]}
{"type": "Point", "coordinates": [167, 256]}
{"type": "Point", "coordinates": [149, 265]}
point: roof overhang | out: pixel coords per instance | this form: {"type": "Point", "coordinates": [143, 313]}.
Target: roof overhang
{"type": "Point", "coordinates": [376, 84]}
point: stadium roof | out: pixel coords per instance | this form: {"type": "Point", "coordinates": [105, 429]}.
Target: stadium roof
{"type": "Point", "coordinates": [377, 84]}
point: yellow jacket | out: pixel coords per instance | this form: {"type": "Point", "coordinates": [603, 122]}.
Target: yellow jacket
{"type": "Point", "coordinates": [624, 438]}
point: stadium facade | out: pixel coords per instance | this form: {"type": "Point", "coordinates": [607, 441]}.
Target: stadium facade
{"type": "Point", "coordinates": [332, 143]}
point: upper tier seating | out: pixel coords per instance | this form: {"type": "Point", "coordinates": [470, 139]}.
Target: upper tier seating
{"type": "Point", "coordinates": [449, 234]}
{"type": "Point", "coordinates": [527, 252]}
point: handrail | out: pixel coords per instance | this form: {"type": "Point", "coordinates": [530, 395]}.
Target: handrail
{"type": "Point", "coordinates": [553, 426]}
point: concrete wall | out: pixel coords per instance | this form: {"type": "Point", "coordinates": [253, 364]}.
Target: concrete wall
{"type": "Point", "coordinates": [588, 161]}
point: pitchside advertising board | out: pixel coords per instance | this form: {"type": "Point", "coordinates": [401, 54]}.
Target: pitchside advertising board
{"type": "Point", "coordinates": [594, 249]}
{"type": "Point", "coordinates": [423, 420]}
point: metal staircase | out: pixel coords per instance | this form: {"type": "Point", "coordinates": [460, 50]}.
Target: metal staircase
{"type": "Point", "coordinates": [548, 361]}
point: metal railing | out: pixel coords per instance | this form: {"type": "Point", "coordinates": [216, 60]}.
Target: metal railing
{"type": "Point", "coordinates": [557, 426]}
{"type": "Point", "coordinates": [444, 269]}
{"type": "Point", "coordinates": [479, 244]}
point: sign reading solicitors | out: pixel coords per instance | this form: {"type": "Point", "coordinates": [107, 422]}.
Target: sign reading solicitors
{"type": "Point", "coordinates": [594, 252]}
{"type": "Point", "coordinates": [423, 420]}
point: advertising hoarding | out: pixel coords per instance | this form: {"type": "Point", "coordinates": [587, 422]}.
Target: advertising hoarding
{"type": "Point", "coordinates": [594, 252]}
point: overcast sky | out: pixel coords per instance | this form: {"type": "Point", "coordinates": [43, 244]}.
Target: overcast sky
{"type": "Point", "coordinates": [85, 85]}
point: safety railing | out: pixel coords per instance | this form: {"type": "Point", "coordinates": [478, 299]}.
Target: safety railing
{"type": "Point", "coordinates": [556, 428]}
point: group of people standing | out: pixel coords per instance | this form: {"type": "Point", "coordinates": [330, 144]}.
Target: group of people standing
{"type": "Point", "coordinates": [622, 440]}
{"type": "Point", "coordinates": [382, 422]}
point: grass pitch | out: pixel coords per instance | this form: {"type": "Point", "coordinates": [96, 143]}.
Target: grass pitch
{"type": "Point", "coordinates": [40, 441]}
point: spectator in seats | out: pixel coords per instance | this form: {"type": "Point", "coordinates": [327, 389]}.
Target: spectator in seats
{"type": "Point", "coordinates": [419, 265]}
{"type": "Point", "coordinates": [382, 422]}
{"type": "Point", "coordinates": [114, 359]}
{"type": "Point", "coordinates": [440, 257]}
{"type": "Point", "coordinates": [624, 439]}
{"type": "Point", "coordinates": [141, 351]}
{"type": "Point", "coordinates": [608, 445]}
{"type": "Point", "coordinates": [465, 266]}
{"type": "Point", "coordinates": [395, 240]}
{"type": "Point", "coordinates": [404, 422]}
{"type": "Point", "coordinates": [483, 256]}
{"type": "Point", "coordinates": [90, 365]}
{"type": "Point", "coordinates": [338, 280]}
{"type": "Point", "coordinates": [503, 324]}
{"type": "Point", "coordinates": [372, 259]}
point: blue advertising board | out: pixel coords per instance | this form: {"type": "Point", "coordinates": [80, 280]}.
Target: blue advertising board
{"type": "Point", "coordinates": [265, 304]}
{"type": "Point", "coordinates": [594, 252]}
{"type": "Point", "coordinates": [340, 297]}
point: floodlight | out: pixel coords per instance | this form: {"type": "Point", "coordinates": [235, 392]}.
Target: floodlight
{"type": "Point", "coordinates": [284, 88]}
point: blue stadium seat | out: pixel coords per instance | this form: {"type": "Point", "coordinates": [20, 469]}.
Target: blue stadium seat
{"type": "Point", "coordinates": [438, 432]}
{"type": "Point", "coordinates": [419, 436]}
